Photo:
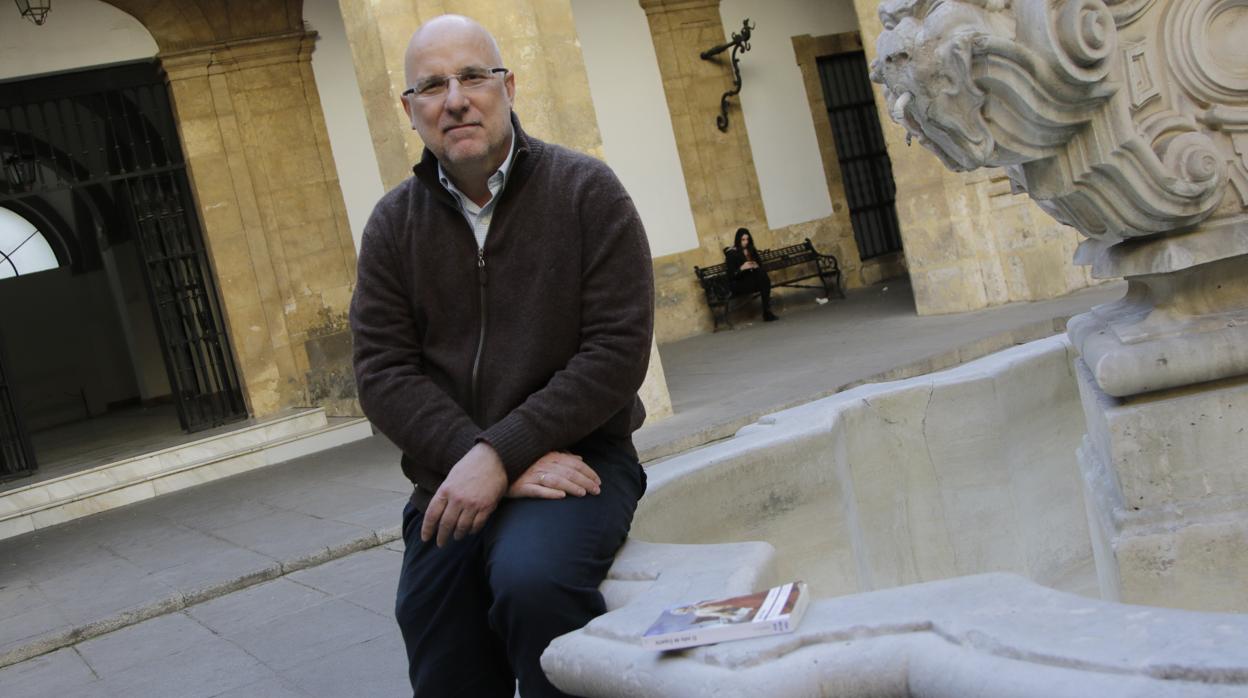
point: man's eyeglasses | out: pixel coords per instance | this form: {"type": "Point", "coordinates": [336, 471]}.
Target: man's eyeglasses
{"type": "Point", "coordinates": [437, 85]}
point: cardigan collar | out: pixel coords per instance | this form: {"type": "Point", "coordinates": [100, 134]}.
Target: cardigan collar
{"type": "Point", "coordinates": [427, 169]}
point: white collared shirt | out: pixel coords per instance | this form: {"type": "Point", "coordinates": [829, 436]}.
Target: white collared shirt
{"type": "Point", "coordinates": [479, 217]}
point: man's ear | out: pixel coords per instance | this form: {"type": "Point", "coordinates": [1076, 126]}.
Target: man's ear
{"type": "Point", "coordinates": [407, 109]}
{"type": "Point", "coordinates": [509, 81]}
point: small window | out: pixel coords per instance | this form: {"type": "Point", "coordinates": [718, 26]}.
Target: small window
{"type": "Point", "coordinates": [23, 249]}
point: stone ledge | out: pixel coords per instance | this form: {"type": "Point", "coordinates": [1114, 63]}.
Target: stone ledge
{"type": "Point", "coordinates": [983, 635]}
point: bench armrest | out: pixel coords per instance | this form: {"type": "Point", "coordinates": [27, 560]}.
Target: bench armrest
{"type": "Point", "coordinates": [829, 260]}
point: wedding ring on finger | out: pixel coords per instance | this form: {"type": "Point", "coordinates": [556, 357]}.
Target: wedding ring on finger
{"type": "Point", "coordinates": [541, 479]}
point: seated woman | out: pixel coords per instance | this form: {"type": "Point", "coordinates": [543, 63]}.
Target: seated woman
{"type": "Point", "coordinates": [745, 274]}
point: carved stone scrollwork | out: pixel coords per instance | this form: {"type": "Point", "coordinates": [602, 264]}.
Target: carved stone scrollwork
{"type": "Point", "coordinates": [1037, 86]}
{"type": "Point", "coordinates": [1126, 119]}
{"type": "Point", "coordinates": [1086, 32]}
{"type": "Point", "coordinates": [1127, 11]}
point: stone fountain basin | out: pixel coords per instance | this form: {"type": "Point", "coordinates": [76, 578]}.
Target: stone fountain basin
{"type": "Point", "coordinates": [966, 471]}
{"type": "Point", "coordinates": [941, 525]}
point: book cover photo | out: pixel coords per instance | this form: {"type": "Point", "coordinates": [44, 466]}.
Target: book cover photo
{"type": "Point", "coordinates": [768, 612]}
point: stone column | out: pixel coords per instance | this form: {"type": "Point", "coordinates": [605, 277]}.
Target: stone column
{"type": "Point", "coordinates": [718, 165]}
{"type": "Point", "coordinates": [1126, 120]}
{"type": "Point", "coordinates": [539, 44]}
{"type": "Point", "coordinates": [274, 220]}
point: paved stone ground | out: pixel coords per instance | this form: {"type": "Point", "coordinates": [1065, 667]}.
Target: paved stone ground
{"type": "Point", "coordinates": [279, 582]}
{"type": "Point", "coordinates": [89, 576]}
{"type": "Point", "coordinates": [323, 631]}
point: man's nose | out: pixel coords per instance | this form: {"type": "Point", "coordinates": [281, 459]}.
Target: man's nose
{"type": "Point", "coordinates": [456, 99]}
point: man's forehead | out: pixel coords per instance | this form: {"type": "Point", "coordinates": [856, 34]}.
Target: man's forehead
{"type": "Point", "coordinates": [457, 42]}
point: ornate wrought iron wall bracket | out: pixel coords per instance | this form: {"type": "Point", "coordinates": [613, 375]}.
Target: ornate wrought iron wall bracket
{"type": "Point", "coordinates": [740, 44]}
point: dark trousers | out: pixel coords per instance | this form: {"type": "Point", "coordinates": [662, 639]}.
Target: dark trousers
{"type": "Point", "coordinates": [752, 280]}
{"type": "Point", "coordinates": [477, 614]}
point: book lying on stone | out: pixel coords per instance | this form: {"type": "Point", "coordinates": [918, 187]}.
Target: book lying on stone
{"type": "Point", "coordinates": [770, 612]}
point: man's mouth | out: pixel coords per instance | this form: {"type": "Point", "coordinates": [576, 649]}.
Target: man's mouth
{"type": "Point", "coordinates": [457, 127]}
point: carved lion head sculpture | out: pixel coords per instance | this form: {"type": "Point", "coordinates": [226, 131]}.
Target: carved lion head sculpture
{"type": "Point", "coordinates": [925, 64]}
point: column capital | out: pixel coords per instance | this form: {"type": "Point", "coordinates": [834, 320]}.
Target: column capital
{"type": "Point", "coordinates": [660, 6]}
{"type": "Point", "coordinates": [239, 54]}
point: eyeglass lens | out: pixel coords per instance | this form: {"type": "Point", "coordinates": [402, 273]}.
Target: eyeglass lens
{"type": "Point", "coordinates": [468, 79]}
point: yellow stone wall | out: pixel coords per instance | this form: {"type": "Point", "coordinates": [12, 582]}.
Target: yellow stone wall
{"type": "Point", "coordinates": [969, 243]}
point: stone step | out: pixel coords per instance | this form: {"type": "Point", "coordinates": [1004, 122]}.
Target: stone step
{"type": "Point", "coordinates": [253, 445]}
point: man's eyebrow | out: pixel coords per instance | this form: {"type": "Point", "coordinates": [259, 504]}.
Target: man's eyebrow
{"type": "Point", "coordinates": [473, 66]}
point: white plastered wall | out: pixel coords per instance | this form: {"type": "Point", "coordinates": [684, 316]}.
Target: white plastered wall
{"type": "Point", "coordinates": [77, 34]}
{"type": "Point", "coordinates": [776, 106]}
{"type": "Point", "coordinates": [627, 91]}
{"type": "Point", "coordinates": [358, 172]}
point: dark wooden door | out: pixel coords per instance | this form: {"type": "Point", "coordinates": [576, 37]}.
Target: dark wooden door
{"type": "Point", "coordinates": [866, 171]}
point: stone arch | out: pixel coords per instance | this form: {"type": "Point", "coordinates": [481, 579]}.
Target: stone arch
{"type": "Point", "coordinates": [266, 191]}
{"type": "Point", "coordinates": [186, 24]}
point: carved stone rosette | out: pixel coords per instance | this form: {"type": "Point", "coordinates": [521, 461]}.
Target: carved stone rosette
{"type": "Point", "coordinates": [1126, 119]}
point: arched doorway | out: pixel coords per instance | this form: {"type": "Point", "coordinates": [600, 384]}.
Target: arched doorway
{"type": "Point", "coordinates": [130, 313]}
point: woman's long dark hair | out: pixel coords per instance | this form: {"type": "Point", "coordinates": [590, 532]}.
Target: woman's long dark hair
{"type": "Point", "coordinates": [736, 242]}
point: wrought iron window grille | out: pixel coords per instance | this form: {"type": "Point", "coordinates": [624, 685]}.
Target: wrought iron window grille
{"type": "Point", "coordinates": [20, 172]}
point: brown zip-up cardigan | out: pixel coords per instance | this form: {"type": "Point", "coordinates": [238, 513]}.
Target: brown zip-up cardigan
{"type": "Point", "coordinates": [531, 344]}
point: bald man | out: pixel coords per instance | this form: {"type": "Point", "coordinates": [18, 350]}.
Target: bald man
{"type": "Point", "coordinates": [502, 321]}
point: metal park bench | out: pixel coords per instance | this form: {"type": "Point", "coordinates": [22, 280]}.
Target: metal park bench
{"type": "Point", "coordinates": [722, 300]}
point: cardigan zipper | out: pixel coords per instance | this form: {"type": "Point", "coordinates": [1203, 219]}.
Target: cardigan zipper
{"type": "Point", "coordinates": [476, 362]}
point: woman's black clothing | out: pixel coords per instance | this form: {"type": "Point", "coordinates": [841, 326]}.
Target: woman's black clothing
{"type": "Point", "coordinates": [748, 280]}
